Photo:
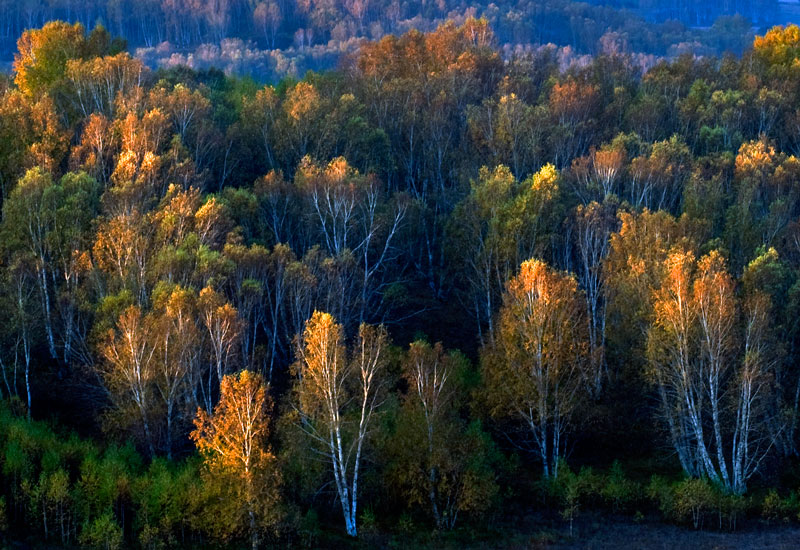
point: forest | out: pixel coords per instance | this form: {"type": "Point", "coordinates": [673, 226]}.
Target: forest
{"type": "Point", "coordinates": [271, 39]}
{"type": "Point", "coordinates": [438, 296]}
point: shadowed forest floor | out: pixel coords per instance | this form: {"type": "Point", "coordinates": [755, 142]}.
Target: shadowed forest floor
{"type": "Point", "coordinates": [609, 533]}
{"type": "Point", "coordinates": [632, 536]}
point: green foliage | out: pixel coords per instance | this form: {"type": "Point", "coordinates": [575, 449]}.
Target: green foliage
{"type": "Point", "coordinates": [622, 493]}
{"type": "Point", "coordinates": [368, 522]}
{"type": "Point", "coordinates": [698, 503]}
{"type": "Point", "coordinates": [72, 492]}
{"type": "Point", "coordinates": [576, 490]}
{"type": "Point", "coordinates": [693, 500]}
{"type": "Point", "coordinates": [309, 529]}
{"type": "Point", "coordinates": [161, 496]}
{"type": "Point", "coordinates": [777, 509]}
{"type": "Point", "coordinates": [436, 459]}
{"type": "Point", "coordinates": [3, 517]}
{"type": "Point", "coordinates": [103, 533]}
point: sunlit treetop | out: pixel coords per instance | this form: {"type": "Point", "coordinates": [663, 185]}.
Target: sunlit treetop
{"type": "Point", "coordinates": [449, 48]}
{"type": "Point", "coordinates": [42, 55]}
{"type": "Point", "coordinates": [545, 180]}
{"type": "Point", "coordinates": [779, 48]}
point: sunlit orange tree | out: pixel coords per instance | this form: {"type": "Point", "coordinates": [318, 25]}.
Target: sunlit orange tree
{"type": "Point", "coordinates": [337, 395]}
{"type": "Point", "coordinates": [712, 362]}
{"type": "Point", "coordinates": [536, 374]}
{"type": "Point", "coordinates": [233, 442]}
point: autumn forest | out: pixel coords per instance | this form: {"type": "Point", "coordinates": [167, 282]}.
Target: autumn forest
{"type": "Point", "coordinates": [442, 295]}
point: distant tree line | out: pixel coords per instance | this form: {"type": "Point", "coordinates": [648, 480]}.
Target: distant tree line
{"type": "Point", "coordinates": [270, 39]}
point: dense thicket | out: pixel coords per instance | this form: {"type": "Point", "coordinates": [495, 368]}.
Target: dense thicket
{"type": "Point", "coordinates": [251, 297]}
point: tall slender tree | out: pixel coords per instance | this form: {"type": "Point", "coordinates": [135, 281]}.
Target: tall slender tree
{"type": "Point", "coordinates": [536, 372]}
{"type": "Point", "coordinates": [337, 397]}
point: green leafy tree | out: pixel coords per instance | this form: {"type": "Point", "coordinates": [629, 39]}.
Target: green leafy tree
{"type": "Point", "coordinates": [440, 460]}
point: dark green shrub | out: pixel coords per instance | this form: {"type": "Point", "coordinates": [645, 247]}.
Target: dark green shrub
{"type": "Point", "coordinates": [102, 533]}
{"type": "Point", "coordinates": [618, 491]}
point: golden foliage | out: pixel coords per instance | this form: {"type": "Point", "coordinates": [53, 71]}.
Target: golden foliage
{"type": "Point", "coordinates": [545, 182]}
{"type": "Point", "coordinates": [302, 101]}
{"type": "Point", "coordinates": [42, 55]}
{"type": "Point", "coordinates": [756, 160]}
{"type": "Point", "coordinates": [233, 443]}
{"type": "Point", "coordinates": [540, 363]}
{"type": "Point", "coordinates": [779, 47]}
{"type": "Point", "coordinates": [234, 437]}
{"type": "Point", "coordinates": [572, 101]}
{"type": "Point", "coordinates": [323, 366]}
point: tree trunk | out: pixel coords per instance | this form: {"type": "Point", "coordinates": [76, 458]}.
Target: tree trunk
{"type": "Point", "coordinates": [51, 345]}
{"type": "Point", "coordinates": [721, 462]}
{"type": "Point", "coordinates": [253, 529]}
{"type": "Point", "coordinates": [169, 430]}
{"type": "Point", "coordinates": [28, 381]}
{"type": "Point", "coordinates": [147, 435]}
{"type": "Point", "coordinates": [432, 480]}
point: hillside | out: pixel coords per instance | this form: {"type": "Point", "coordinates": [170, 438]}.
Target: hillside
{"type": "Point", "coordinates": [439, 296]}
{"type": "Point", "coordinates": [270, 39]}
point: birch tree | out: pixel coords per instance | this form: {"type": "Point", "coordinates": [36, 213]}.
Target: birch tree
{"type": "Point", "coordinates": [593, 226]}
{"type": "Point", "coordinates": [672, 352]}
{"type": "Point", "coordinates": [233, 442]}
{"type": "Point", "coordinates": [716, 391]}
{"type": "Point", "coordinates": [502, 222]}
{"type": "Point", "coordinates": [129, 365]}
{"type": "Point", "coordinates": [337, 397]}
{"type": "Point", "coordinates": [439, 460]}
{"type": "Point", "coordinates": [346, 210]}
{"type": "Point", "coordinates": [21, 290]}
{"type": "Point", "coordinates": [223, 331]}
{"type": "Point", "coordinates": [428, 372]}
{"type": "Point", "coordinates": [178, 354]}
{"type": "Point", "coordinates": [28, 220]}
{"type": "Point", "coordinates": [535, 374]}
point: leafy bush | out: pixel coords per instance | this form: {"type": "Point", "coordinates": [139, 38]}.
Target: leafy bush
{"type": "Point", "coordinates": [731, 508]}
{"type": "Point", "coordinates": [659, 490]}
{"type": "Point", "coordinates": [618, 491]}
{"type": "Point", "coordinates": [694, 500]}
{"type": "Point", "coordinates": [102, 533]}
{"type": "Point", "coordinates": [775, 508]}
{"type": "Point", "coordinates": [576, 490]}
{"type": "Point", "coordinates": [309, 530]}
